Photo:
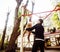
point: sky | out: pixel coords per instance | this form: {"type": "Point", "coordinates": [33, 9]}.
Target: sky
{"type": "Point", "coordinates": [9, 6]}
{"type": "Point", "coordinates": [5, 7]}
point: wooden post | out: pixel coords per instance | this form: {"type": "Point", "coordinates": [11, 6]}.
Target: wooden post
{"type": "Point", "coordinates": [21, 48]}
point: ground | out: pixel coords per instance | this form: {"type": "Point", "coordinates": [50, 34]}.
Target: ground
{"type": "Point", "coordinates": [38, 51]}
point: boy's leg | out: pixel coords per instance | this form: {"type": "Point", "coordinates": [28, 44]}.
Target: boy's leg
{"type": "Point", "coordinates": [41, 46]}
{"type": "Point", "coordinates": [35, 46]}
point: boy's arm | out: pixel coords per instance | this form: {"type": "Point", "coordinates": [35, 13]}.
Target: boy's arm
{"type": "Point", "coordinates": [31, 28]}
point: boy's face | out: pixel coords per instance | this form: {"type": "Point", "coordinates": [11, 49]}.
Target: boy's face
{"type": "Point", "coordinates": [39, 21]}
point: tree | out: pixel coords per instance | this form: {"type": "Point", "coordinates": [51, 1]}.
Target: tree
{"type": "Point", "coordinates": [16, 31]}
{"type": "Point", "coordinates": [55, 20]}
{"type": "Point", "coordinates": [31, 19]}
{"type": "Point", "coordinates": [4, 32]}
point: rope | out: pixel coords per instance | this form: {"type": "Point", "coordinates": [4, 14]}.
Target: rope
{"type": "Point", "coordinates": [42, 12]}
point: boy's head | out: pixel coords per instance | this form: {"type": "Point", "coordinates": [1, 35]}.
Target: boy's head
{"type": "Point", "coordinates": [40, 21]}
